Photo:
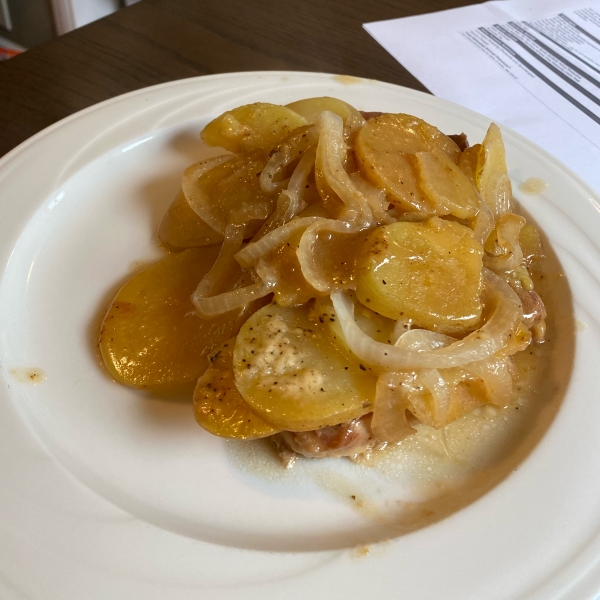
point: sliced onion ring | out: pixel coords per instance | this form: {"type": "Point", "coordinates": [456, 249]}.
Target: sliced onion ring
{"type": "Point", "coordinates": [306, 254]}
{"type": "Point", "coordinates": [480, 344]}
{"type": "Point", "coordinates": [222, 303]}
{"type": "Point", "coordinates": [389, 422]}
{"type": "Point", "coordinates": [255, 250]}
{"type": "Point", "coordinates": [331, 152]}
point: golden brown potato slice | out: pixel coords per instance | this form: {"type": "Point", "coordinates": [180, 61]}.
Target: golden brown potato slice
{"type": "Point", "coordinates": [182, 228]}
{"type": "Point", "coordinates": [311, 108]}
{"type": "Point", "coordinates": [151, 335]}
{"type": "Point", "coordinates": [293, 373]}
{"type": "Point", "coordinates": [385, 149]}
{"type": "Point", "coordinates": [446, 186]}
{"type": "Point", "coordinates": [428, 272]}
{"type": "Point", "coordinates": [218, 406]}
{"type": "Point", "coordinates": [259, 126]}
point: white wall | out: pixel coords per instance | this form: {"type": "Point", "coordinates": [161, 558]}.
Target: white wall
{"type": "Point", "coordinates": [86, 11]}
{"type": "Point", "coordinates": [70, 14]}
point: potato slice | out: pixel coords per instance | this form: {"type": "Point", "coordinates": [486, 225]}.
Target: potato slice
{"type": "Point", "coordinates": [229, 192]}
{"type": "Point", "coordinates": [218, 406]}
{"type": "Point", "coordinates": [151, 335]}
{"type": "Point", "coordinates": [259, 126]}
{"type": "Point", "coordinates": [446, 186]}
{"type": "Point", "coordinates": [311, 108]}
{"type": "Point", "coordinates": [293, 373]}
{"type": "Point", "coordinates": [385, 149]}
{"type": "Point", "coordinates": [182, 228]}
{"type": "Point", "coordinates": [428, 272]}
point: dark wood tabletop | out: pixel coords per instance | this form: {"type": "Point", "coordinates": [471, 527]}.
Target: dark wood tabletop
{"type": "Point", "coordinates": [161, 40]}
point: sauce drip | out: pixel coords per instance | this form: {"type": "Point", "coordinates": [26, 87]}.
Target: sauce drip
{"type": "Point", "coordinates": [533, 186]}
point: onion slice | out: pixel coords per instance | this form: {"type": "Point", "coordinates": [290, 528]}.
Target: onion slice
{"type": "Point", "coordinates": [222, 303]}
{"type": "Point", "coordinates": [194, 195]}
{"type": "Point", "coordinates": [282, 157]}
{"type": "Point", "coordinates": [255, 250]}
{"type": "Point", "coordinates": [224, 273]}
{"type": "Point", "coordinates": [290, 201]}
{"type": "Point", "coordinates": [389, 422]}
{"type": "Point", "coordinates": [481, 344]}
{"type": "Point", "coordinates": [331, 152]}
{"type": "Point", "coordinates": [508, 248]}
{"type": "Point", "coordinates": [306, 251]}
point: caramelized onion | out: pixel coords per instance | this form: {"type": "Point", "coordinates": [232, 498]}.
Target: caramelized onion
{"type": "Point", "coordinates": [255, 250]}
{"type": "Point", "coordinates": [496, 377]}
{"type": "Point", "coordinates": [286, 154]}
{"type": "Point", "coordinates": [508, 254]}
{"type": "Point", "coordinates": [331, 152]}
{"type": "Point", "coordinates": [226, 273]}
{"type": "Point", "coordinates": [195, 197]}
{"type": "Point", "coordinates": [481, 344]}
{"type": "Point", "coordinates": [376, 199]}
{"type": "Point", "coordinates": [440, 395]}
{"type": "Point", "coordinates": [498, 194]}
{"type": "Point", "coordinates": [423, 340]}
{"type": "Point", "coordinates": [483, 223]}
{"type": "Point", "coordinates": [225, 266]}
{"type": "Point", "coordinates": [308, 258]}
{"type": "Point", "coordinates": [222, 303]}
{"type": "Point", "coordinates": [389, 422]}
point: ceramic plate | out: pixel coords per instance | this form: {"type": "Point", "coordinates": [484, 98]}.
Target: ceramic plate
{"type": "Point", "coordinates": [113, 493]}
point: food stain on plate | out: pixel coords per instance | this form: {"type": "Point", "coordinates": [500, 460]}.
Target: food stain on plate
{"type": "Point", "coordinates": [347, 79]}
{"type": "Point", "coordinates": [30, 375]}
{"type": "Point", "coordinates": [533, 186]}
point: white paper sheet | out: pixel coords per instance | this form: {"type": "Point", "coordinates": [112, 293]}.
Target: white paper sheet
{"type": "Point", "coordinates": [532, 65]}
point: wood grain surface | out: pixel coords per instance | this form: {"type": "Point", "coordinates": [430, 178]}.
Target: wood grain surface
{"type": "Point", "coordinates": [161, 40]}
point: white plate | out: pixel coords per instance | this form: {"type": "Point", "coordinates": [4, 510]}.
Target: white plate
{"type": "Point", "coordinates": [110, 493]}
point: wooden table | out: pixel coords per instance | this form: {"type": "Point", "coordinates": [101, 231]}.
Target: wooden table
{"type": "Point", "coordinates": [160, 40]}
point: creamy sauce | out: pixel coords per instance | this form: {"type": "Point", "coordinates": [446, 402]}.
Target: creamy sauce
{"type": "Point", "coordinates": [29, 375]}
{"type": "Point", "coordinates": [533, 186]}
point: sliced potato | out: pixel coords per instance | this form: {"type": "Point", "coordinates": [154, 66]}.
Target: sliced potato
{"type": "Point", "coordinates": [218, 406]}
{"type": "Point", "coordinates": [259, 126]}
{"type": "Point", "coordinates": [151, 335]}
{"type": "Point", "coordinates": [294, 374]}
{"type": "Point", "coordinates": [385, 149]}
{"type": "Point", "coordinates": [182, 228]}
{"type": "Point", "coordinates": [311, 108]}
{"type": "Point", "coordinates": [446, 186]}
{"type": "Point", "coordinates": [428, 272]}
{"type": "Point", "coordinates": [229, 192]}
